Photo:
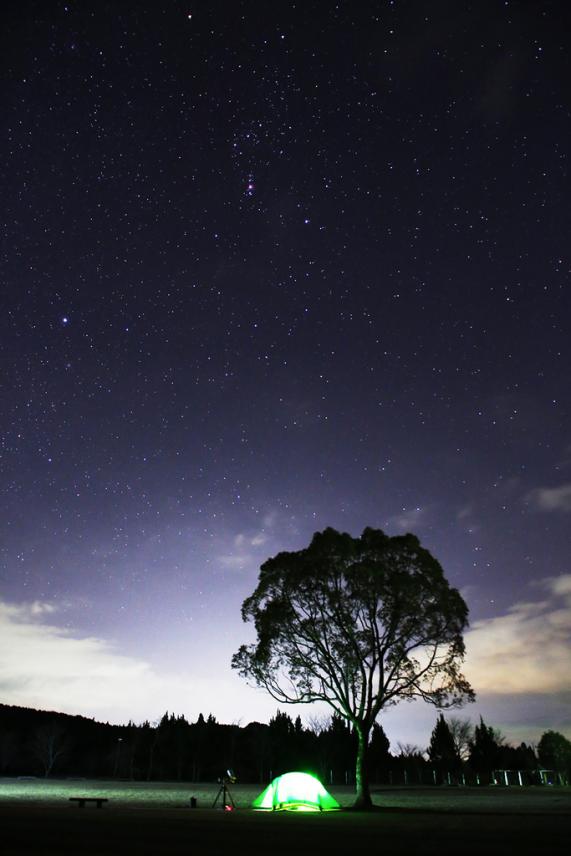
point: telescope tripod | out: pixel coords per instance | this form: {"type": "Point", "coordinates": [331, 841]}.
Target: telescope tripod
{"type": "Point", "coordinates": [224, 796]}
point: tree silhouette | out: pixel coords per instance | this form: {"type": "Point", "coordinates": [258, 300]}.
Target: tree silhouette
{"type": "Point", "coordinates": [462, 732]}
{"type": "Point", "coordinates": [554, 751]}
{"type": "Point", "coordinates": [359, 623]}
{"type": "Point", "coordinates": [379, 756]}
{"type": "Point", "coordinates": [485, 749]}
{"type": "Point", "coordinates": [442, 749]}
{"type": "Point", "coordinates": [8, 749]}
{"type": "Point", "coordinates": [49, 744]}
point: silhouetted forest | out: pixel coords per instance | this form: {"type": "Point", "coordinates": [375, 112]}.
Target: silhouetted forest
{"type": "Point", "coordinates": [45, 743]}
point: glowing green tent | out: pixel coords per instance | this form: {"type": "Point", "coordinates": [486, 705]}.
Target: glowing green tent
{"type": "Point", "coordinates": [296, 792]}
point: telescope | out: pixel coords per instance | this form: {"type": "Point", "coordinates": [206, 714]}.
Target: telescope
{"type": "Point", "coordinates": [224, 796]}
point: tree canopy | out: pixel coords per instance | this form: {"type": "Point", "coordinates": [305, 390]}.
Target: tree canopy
{"type": "Point", "coordinates": [358, 623]}
{"type": "Point", "coordinates": [554, 751]}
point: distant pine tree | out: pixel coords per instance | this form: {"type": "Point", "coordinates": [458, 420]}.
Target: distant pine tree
{"type": "Point", "coordinates": [380, 743]}
{"type": "Point", "coordinates": [485, 750]}
{"type": "Point", "coordinates": [442, 750]}
{"type": "Point", "coordinates": [379, 755]}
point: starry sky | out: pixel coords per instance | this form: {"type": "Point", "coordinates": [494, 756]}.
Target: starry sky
{"type": "Point", "coordinates": [267, 268]}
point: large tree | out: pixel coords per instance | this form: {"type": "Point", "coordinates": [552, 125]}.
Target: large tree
{"type": "Point", "coordinates": [359, 623]}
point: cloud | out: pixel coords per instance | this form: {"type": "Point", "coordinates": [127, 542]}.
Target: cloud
{"type": "Point", "coordinates": [42, 665]}
{"type": "Point", "coordinates": [242, 551]}
{"type": "Point", "coordinates": [49, 667]}
{"type": "Point", "coordinates": [464, 513]}
{"type": "Point", "coordinates": [560, 585]}
{"type": "Point", "coordinates": [26, 611]}
{"type": "Point", "coordinates": [526, 650]}
{"type": "Point", "coordinates": [466, 518]}
{"type": "Point", "coordinates": [236, 561]}
{"type": "Point", "coordinates": [242, 541]}
{"type": "Point", "coordinates": [551, 498]}
{"type": "Point", "coordinates": [409, 519]}
{"type": "Point", "coordinates": [519, 664]}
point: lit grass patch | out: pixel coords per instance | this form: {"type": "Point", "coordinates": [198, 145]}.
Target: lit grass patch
{"type": "Point", "coordinates": [133, 794]}
{"type": "Point", "coordinates": [171, 795]}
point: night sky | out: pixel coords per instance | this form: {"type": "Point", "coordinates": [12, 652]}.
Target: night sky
{"type": "Point", "coordinates": [267, 268]}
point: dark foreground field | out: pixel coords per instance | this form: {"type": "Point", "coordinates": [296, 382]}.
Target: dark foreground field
{"type": "Point", "coordinates": [38, 819]}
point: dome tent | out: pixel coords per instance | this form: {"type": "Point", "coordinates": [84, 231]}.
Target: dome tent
{"type": "Point", "coordinates": [295, 792]}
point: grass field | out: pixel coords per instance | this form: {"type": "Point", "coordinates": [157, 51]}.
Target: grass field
{"type": "Point", "coordinates": [149, 818]}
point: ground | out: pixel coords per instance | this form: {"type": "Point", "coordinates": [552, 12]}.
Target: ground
{"type": "Point", "coordinates": [140, 818]}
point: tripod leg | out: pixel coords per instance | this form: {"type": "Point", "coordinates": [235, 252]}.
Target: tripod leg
{"type": "Point", "coordinates": [218, 795]}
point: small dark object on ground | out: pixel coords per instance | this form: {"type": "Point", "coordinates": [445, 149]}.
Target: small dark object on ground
{"type": "Point", "coordinates": [193, 802]}
{"type": "Point", "coordinates": [82, 800]}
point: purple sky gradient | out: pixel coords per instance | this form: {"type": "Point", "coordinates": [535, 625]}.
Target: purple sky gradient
{"type": "Point", "coordinates": [267, 269]}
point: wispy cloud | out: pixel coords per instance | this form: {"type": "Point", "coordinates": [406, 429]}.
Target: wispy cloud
{"type": "Point", "coordinates": [43, 665]}
{"type": "Point", "coordinates": [519, 664]}
{"type": "Point", "coordinates": [466, 517]}
{"type": "Point", "coordinates": [46, 666]}
{"type": "Point", "coordinates": [551, 498]}
{"type": "Point", "coordinates": [560, 585]}
{"type": "Point", "coordinates": [526, 650]}
{"type": "Point", "coordinates": [409, 519]}
{"type": "Point", "coordinates": [26, 611]}
{"type": "Point", "coordinates": [236, 561]}
{"type": "Point", "coordinates": [243, 550]}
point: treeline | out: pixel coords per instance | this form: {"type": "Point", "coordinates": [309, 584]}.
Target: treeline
{"type": "Point", "coordinates": [460, 753]}
{"type": "Point", "coordinates": [42, 743]}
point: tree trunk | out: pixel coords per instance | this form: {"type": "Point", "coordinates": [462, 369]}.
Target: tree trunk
{"type": "Point", "coordinates": [363, 796]}
{"type": "Point", "coordinates": [151, 761]}
{"type": "Point", "coordinates": [132, 761]}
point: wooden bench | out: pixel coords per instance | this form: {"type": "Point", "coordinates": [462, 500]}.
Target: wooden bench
{"type": "Point", "coordinates": [82, 800]}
